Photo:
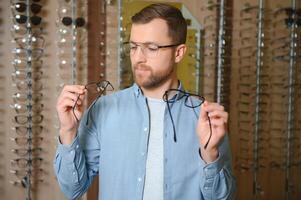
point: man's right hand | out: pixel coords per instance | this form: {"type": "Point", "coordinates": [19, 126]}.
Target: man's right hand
{"type": "Point", "coordinates": [64, 107]}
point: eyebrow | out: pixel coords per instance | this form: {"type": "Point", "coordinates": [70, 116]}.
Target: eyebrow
{"type": "Point", "coordinates": [144, 43]}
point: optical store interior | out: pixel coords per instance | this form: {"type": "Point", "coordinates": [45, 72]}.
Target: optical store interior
{"type": "Point", "coordinates": [243, 54]}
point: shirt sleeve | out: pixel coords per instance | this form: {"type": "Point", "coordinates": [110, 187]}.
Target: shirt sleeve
{"type": "Point", "coordinates": [76, 165]}
{"type": "Point", "coordinates": [217, 180]}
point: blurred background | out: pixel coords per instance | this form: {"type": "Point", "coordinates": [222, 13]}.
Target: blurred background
{"type": "Point", "coordinates": [244, 54]}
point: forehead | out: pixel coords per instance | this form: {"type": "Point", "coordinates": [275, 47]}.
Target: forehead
{"type": "Point", "coordinates": [156, 31]}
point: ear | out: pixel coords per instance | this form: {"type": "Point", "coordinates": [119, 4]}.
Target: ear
{"type": "Point", "coordinates": [180, 52]}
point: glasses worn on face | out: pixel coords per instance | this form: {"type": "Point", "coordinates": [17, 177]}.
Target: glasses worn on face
{"type": "Point", "coordinates": [94, 88]}
{"type": "Point", "coordinates": [190, 100]}
{"type": "Point", "coordinates": [150, 50]}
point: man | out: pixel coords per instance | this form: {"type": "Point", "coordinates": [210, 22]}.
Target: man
{"type": "Point", "coordinates": [141, 148]}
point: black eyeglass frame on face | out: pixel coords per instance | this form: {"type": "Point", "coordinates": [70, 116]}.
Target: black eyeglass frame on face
{"type": "Point", "coordinates": [131, 48]}
{"type": "Point", "coordinates": [101, 87]}
{"type": "Point", "coordinates": [179, 94]}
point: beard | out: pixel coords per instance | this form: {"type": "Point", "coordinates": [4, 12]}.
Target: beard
{"type": "Point", "coordinates": [149, 79]}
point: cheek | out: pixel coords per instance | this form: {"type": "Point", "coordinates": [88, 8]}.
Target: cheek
{"type": "Point", "coordinates": [132, 60]}
{"type": "Point", "coordinates": [160, 64]}
{"type": "Point", "coordinates": [164, 64]}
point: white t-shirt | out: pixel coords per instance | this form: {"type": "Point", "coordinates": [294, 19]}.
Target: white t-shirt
{"type": "Point", "coordinates": [153, 188]}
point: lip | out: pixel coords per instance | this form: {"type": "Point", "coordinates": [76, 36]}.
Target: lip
{"type": "Point", "coordinates": [141, 69]}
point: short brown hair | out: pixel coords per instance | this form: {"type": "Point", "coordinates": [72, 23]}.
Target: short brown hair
{"type": "Point", "coordinates": [175, 21]}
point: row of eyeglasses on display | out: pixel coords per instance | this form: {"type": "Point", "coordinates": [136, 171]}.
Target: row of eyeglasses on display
{"type": "Point", "coordinates": [274, 87]}
{"type": "Point", "coordinates": [29, 42]}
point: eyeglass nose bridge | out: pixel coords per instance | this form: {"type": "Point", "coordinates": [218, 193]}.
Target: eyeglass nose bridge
{"type": "Point", "coordinates": [101, 88]}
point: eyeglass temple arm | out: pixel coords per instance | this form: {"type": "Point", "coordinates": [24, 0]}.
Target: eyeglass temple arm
{"type": "Point", "coordinates": [88, 115]}
{"type": "Point", "coordinates": [205, 147]}
{"type": "Point", "coordinates": [73, 108]}
{"type": "Point", "coordinates": [173, 124]}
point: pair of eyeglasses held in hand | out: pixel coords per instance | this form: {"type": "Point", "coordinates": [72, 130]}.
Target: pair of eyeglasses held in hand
{"type": "Point", "coordinates": [191, 101]}
{"type": "Point", "coordinates": [94, 88]}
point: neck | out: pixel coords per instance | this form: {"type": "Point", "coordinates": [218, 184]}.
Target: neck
{"type": "Point", "coordinates": [158, 92]}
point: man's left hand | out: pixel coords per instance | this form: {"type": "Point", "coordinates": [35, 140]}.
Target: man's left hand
{"type": "Point", "coordinates": [219, 119]}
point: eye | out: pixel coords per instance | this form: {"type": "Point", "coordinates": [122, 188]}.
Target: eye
{"type": "Point", "coordinates": [152, 47]}
{"type": "Point", "coordinates": [133, 46]}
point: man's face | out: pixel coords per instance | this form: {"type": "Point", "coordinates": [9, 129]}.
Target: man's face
{"type": "Point", "coordinates": [152, 72]}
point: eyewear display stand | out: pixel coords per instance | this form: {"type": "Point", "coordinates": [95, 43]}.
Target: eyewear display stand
{"type": "Point", "coordinates": [222, 43]}
{"type": "Point", "coordinates": [74, 41]}
{"type": "Point", "coordinates": [290, 106]}
{"type": "Point", "coordinates": [28, 50]}
{"type": "Point", "coordinates": [257, 189]}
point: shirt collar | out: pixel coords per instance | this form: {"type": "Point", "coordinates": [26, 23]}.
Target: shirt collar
{"type": "Point", "coordinates": [138, 91]}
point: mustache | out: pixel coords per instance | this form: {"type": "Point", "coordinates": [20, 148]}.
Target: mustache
{"type": "Point", "coordinates": [142, 67]}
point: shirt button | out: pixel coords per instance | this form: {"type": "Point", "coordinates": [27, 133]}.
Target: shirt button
{"type": "Point", "coordinates": [77, 146]}
{"type": "Point", "coordinates": [145, 129]}
{"type": "Point", "coordinates": [73, 173]}
{"type": "Point", "coordinates": [139, 179]}
{"type": "Point", "coordinates": [142, 153]}
{"type": "Point", "coordinates": [72, 152]}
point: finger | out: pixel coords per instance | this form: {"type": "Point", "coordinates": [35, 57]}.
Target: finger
{"type": "Point", "coordinates": [79, 89]}
{"type": "Point", "coordinates": [219, 114]}
{"type": "Point", "coordinates": [213, 106]}
{"type": "Point", "coordinates": [69, 95]}
{"type": "Point", "coordinates": [65, 105]}
{"type": "Point", "coordinates": [217, 122]}
{"type": "Point", "coordinates": [83, 96]}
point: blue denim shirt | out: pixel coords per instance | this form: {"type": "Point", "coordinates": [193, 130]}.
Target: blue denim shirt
{"type": "Point", "coordinates": [114, 146]}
